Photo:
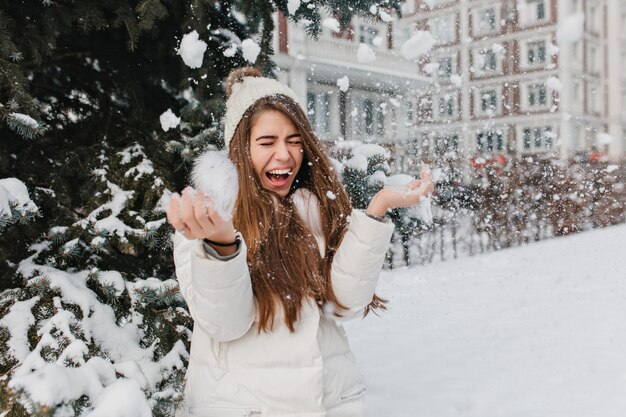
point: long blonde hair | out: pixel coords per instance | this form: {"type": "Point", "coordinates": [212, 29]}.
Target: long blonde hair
{"type": "Point", "coordinates": [283, 255]}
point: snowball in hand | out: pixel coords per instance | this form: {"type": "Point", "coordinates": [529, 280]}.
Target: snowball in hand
{"type": "Point", "coordinates": [423, 210]}
{"type": "Point", "coordinates": [216, 176]}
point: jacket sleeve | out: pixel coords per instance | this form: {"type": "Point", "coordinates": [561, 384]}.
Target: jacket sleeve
{"type": "Point", "coordinates": [359, 260]}
{"type": "Point", "coordinates": [218, 292]}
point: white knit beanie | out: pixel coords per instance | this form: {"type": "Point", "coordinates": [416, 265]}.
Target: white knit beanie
{"type": "Point", "coordinates": [245, 92]}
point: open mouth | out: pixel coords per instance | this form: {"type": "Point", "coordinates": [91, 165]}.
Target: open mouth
{"type": "Point", "coordinates": [279, 177]}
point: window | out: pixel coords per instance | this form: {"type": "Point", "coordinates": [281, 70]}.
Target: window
{"type": "Point", "coordinates": [593, 59]}
{"type": "Point", "coordinates": [594, 102]}
{"type": "Point", "coordinates": [445, 67]}
{"type": "Point", "coordinates": [576, 96]}
{"type": "Point", "coordinates": [319, 112]}
{"type": "Point", "coordinates": [410, 114]}
{"type": "Point", "coordinates": [368, 117]}
{"type": "Point", "coordinates": [537, 95]}
{"type": "Point", "coordinates": [592, 18]}
{"type": "Point", "coordinates": [489, 101]}
{"type": "Point", "coordinates": [368, 107]}
{"type": "Point", "coordinates": [408, 7]}
{"type": "Point", "coordinates": [444, 28]}
{"type": "Point", "coordinates": [487, 60]}
{"type": "Point", "coordinates": [538, 139]}
{"type": "Point", "coordinates": [536, 53]}
{"type": "Point", "coordinates": [447, 145]}
{"type": "Point", "coordinates": [367, 34]}
{"type": "Point", "coordinates": [490, 141]}
{"type": "Point", "coordinates": [487, 20]}
{"type": "Point", "coordinates": [380, 120]}
{"type": "Point", "coordinates": [402, 33]}
{"type": "Point", "coordinates": [446, 106]}
{"type": "Point", "coordinates": [541, 9]}
{"type": "Point", "coordinates": [533, 11]}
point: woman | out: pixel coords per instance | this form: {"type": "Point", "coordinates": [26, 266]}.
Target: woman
{"type": "Point", "coordinates": [266, 300]}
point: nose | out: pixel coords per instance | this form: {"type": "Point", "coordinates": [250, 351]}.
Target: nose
{"type": "Point", "coordinates": [281, 152]}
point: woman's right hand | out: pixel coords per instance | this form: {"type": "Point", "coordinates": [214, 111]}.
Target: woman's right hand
{"type": "Point", "coordinates": [193, 214]}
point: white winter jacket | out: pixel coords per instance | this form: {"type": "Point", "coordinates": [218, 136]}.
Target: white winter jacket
{"type": "Point", "coordinates": [236, 371]}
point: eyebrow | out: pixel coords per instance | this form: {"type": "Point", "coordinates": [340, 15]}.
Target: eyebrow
{"type": "Point", "coordinates": [293, 135]}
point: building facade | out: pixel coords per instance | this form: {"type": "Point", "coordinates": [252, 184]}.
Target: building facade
{"type": "Point", "coordinates": [525, 77]}
{"type": "Point", "coordinates": [505, 77]}
{"type": "Point", "coordinates": [380, 105]}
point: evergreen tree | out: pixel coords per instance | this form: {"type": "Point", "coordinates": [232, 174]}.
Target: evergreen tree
{"type": "Point", "coordinates": [91, 319]}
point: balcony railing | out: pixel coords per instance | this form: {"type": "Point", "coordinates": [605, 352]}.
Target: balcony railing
{"type": "Point", "coordinates": [344, 53]}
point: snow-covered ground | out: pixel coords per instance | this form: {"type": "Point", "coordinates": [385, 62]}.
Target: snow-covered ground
{"type": "Point", "coordinates": [536, 331]}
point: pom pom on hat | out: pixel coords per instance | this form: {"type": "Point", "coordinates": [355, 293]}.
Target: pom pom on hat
{"type": "Point", "coordinates": [237, 75]}
{"type": "Point", "coordinates": [244, 86]}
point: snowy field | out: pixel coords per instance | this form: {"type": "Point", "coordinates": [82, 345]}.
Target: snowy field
{"type": "Point", "coordinates": [537, 331]}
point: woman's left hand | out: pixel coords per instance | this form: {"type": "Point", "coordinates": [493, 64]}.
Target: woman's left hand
{"type": "Point", "coordinates": [402, 196]}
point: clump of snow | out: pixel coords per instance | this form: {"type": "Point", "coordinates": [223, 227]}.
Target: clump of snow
{"type": "Point", "coordinates": [357, 162]}
{"type": "Point", "coordinates": [496, 48]}
{"type": "Point", "coordinates": [14, 192]}
{"type": "Point", "coordinates": [611, 168]}
{"type": "Point", "coordinates": [399, 179]}
{"type": "Point", "coordinates": [553, 50]}
{"type": "Point", "coordinates": [18, 321]}
{"type": "Point", "coordinates": [330, 195]}
{"type": "Point", "coordinates": [24, 120]}
{"type": "Point", "coordinates": [111, 224]}
{"type": "Point", "coordinates": [343, 83]}
{"type": "Point", "coordinates": [604, 139]}
{"type": "Point", "coordinates": [164, 201]}
{"type": "Point", "coordinates": [377, 41]}
{"type": "Point", "coordinates": [250, 50]}
{"type": "Point", "coordinates": [192, 49]}
{"type": "Point", "coordinates": [365, 54]}
{"type": "Point", "coordinates": [112, 279]}
{"type": "Point", "coordinates": [124, 398]}
{"type": "Point", "coordinates": [98, 241]}
{"type": "Point", "coordinates": [337, 166]}
{"type": "Point", "coordinates": [231, 51]}
{"type": "Point", "coordinates": [369, 150]}
{"type": "Point", "coordinates": [169, 120]}
{"type": "Point", "coordinates": [570, 29]}
{"type": "Point", "coordinates": [419, 44]}
{"type": "Point", "coordinates": [121, 343]}
{"type": "Point", "coordinates": [293, 6]}
{"type": "Point", "coordinates": [377, 178]}
{"type": "Point", "coordinates": [361, 153]}
{"type": "Point", "coordinates": [144, 167]}
{"type": "Point", "coordinates": [423, 210]}
{"type": "Point", "coordinates": [216, 176]}
{"type": "Point", "coordinates": [332, 24]}
{"type": "Point", "coordinates": [456, 80]}
{"type": "Point", "coordinates": [431, 67]}
{"type": "Point", "coordinates": [554, 84]}
{"type": "Point", "coordinates": [384, 16]}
